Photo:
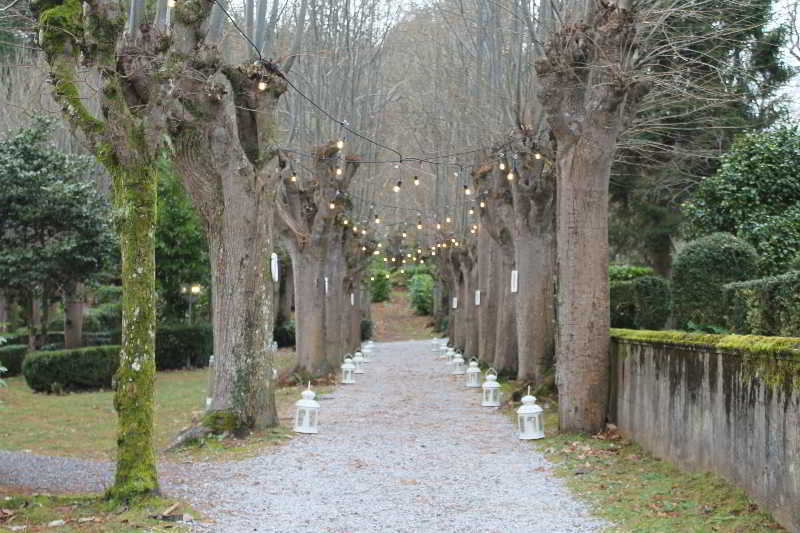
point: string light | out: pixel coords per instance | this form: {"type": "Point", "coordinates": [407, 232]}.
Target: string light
{"type": "Point", "coordinates": [405, 234]}
{"type": "Point", "coordinates": [363, 248]}
{"type": "Point", "coordinates": [332, 205]}
{"type": "Point", "coordinates": [402, 271]}
{"type": "Point", "coordinates": [355, 229]}
{"type": "Point", "coordinates": [438, 226]}
{"type": "Point", "coordinates": [376, 252]}
{"type": "Point", "coordinates": [385, 259]}
{"type": "Point", "coordinates": [345, 222]}
{"type": "Point", "coordinates": [467, 190]}
{"type": "Point", "coordinates": [471, 211]}
{"type": "Point", "coordinates": [419, 224]}
{"type": "Point", "coordinates": [397, 186]}
{"type": "Point", "coordinates": [363, 232]}
{"type": "Point", "coordinates": [339, 171]}
{"type": "Point", "coordinates": [293, 177]}
{"type": "Point", "coordinates": [448, 220]}
{"type": "Point", "coordinates": [537, 155]}
{"type": "Point", "coordinates": [262, 85]}
{"type": "Point", "coordinates": [502, 166]}
{"type": "Point", "coordinates": [510, 176]}
{"type": "Point", "coordinates": [377, 219]}
{"type": "Point", "coordinates": [171, 3]}
{"type": "Point", "coordinates": [416, 180]}
{"type": "Point", "coordinates": [380, 245]}
{"type": "Point", "coordinates": [340, 144]}
{"type": "Point", "coordinates": [483, 204]}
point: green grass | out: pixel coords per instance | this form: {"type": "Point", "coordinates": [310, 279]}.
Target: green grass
{"type": "Point", "coordinates": [84, 424]}
{"type": "Point", "coordinates": [86, 514]}
{"type": "Point", "coordinates": [640, 493]}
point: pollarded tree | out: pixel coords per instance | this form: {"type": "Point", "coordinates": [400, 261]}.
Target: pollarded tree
{"type": "Point", "coordinates": [755, 195]}
{"type": "Point", "coordinates": [54, 230]}
{"type": "Point", "coordinates": [309, 204]}
{"type": "Point", "coordinates": [164, 83]}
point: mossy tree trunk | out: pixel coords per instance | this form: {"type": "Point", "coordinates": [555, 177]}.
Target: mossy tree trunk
{"type": "Point", "coordinates": [74, 304]}
{"type": "Point", "coordinates": [488, 285]}
{"type": "Point", "coordinates": [588, 94]}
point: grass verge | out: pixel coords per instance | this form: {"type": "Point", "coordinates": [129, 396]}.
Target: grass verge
{"type": "Point", "coordinates": [640, 493]}
{"type": "Point", "coordinates": [35, 512]}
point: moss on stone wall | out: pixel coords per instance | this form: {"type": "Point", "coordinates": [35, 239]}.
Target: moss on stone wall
{"type": "Point", "coordinates": [775, 360]}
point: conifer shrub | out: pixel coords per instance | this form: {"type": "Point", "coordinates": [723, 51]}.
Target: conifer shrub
{"type": "Point", "coordinates": [380, 286]}
{"type": "Point", "coordinates": [421, 293]}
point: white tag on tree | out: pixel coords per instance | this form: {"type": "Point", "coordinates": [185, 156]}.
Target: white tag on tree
{"type": "Point", "coordinates": [455, 302]}
{"type": "Point", "coordinates": [274, 265]}
{"type": "Point", "coordinates": [477, 297]}
{"type": "Point", "coordinates": [326, 284]}
{"type": "Point", "coordinates": [352, 299]}
{"type": "Point", "coordinates": [514, 281]}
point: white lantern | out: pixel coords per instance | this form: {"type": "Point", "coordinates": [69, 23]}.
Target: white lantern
{"type": "Point", "coordinates": [530, 419]}
{"type": "Point", "coordinates": [364, 356]}
{"type": "Point", "coordinates": [473, 375]}
{"type": "Point", "coordinates": [305, 420]}
{"type": "Point", "coordinates": [358, 360]}
{"type": "Point", "coordinates": [451, 353]}
{"type": "Point", "coordinates": [491, 390]}
{"type": "Point", "coordinates": [459, 367]}
{"type": "Point", "coordinates": [347, 371]}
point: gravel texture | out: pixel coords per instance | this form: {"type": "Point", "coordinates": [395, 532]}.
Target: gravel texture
{"type": "Point", "coordinates": [406, 449]}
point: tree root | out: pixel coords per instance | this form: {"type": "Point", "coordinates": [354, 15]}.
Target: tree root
{"type": "Point", "coordinates": [188, 436]}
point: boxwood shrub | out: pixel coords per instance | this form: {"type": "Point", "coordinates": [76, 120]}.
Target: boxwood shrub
{"type": "Point", "coordinates": [628, 272]}
{"type": "Point", "coordinates": [71, 370]}
{"type": "Point", "coordinates": [11, 356]}
{"type": "Point", "coordinates": [642, 303]}
{"type": "Point", "coordinates": [767, 306]}
{"type": "Point", "coordinates": [179, 346]}
{"type": "Point", "coordinates": [699, 272]}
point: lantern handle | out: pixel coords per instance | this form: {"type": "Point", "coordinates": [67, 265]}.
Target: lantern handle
{"type": "Point", "coordinates": [473, 359]}
{"type": "Point", "coordinates": [492, 370]}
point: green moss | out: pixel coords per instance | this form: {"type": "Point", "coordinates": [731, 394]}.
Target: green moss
{"type": "Point", "coordinates": [66, 89]}
{"type": "Point", "coordinates": [191, 11]}
{"type": "Point", "coordinates": [221, 421]}
{"type": "Point", "coordinates": [61, 28]}
{"type": "Point", "coordinates": [775, 360]}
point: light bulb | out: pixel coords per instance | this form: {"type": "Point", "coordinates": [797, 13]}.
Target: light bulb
{"type": "Point", "coordinates": [385, 259]}
{"type": "Point", "coordinates": [483, 204]}
{"type": "Point", "coordinates": [332, 205]}
{"type": "Point", "coordinates": [408, 255]}
{"type": "Point", "coordinates": [363, 248]}
{"type": "Point", "coordinates": [472, 231]}
{"type": "Point", "coordinates": [402, 271]}
{"type": "Point", "coordinates": [345, 222]}
{"type": "Point", "coordinates": [433, 253]}
{"type": "Point", "coordinates": [363, 232]}
{"type": "Point", "coordinates": [416, 180]}
{"type": "Point", "coordinates": [293, 177]}
{"type": "Point", "coordinates": [467, 190]}
{"type": "Point", "coordinates": [372, 278]}
{"type": "Point", "coordinates": [405, 234]}
{"type": "Point", "coordinates": [387, 276]}
{"type": "Point", "coordinates": [397, 186]}
{"type": "Point", "coordinates": [380, 245]}
{"type": "Point", "coordinates": [394, 260]}
{"type": "Point", "coordinates": [355, 229]}
{"type": "Point", "coordinates": [453, 240]}
{"type": "Point", "coordinates": [340, 144]}
{"type": "Point", "coordinates": [419, 224]}
{"type": "Point", "coordinates": [419, 251]}
{"type": "Point", "coordinates": [421, 261]}
{"type": "Point", "coordinates": [404, 261]}
{"type": "Point", "coordinates": [537, 155]}
{"type": "Point", "coordinates": [448, 220]}
{"type": "Point", "coordinates": [438, 226]}
{"type": "Point", "coordinates": [471, 211]}
{"type": "Point", "coordinates": [502, 166]}
{"type": "Point", "coordinates": [171, 3]}
{"type": "Point", "coordinates": [262, 86]}
{"type": "Point", "coordinates": [376, 252]}
{"type": "Point", "coordinates": [377, 219]}
{"type": "Point", "coordinates": [510, 176]}
{"type": "Point", "coordinates": [339, 171]}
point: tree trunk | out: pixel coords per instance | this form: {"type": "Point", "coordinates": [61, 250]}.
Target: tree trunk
{"type": "Point", "coordinates": [505, 349]}
{"type": "Point", "coordinates": [73, 316]}
{"type": "Point", "coordinates": [535, 305]}
{"type": "Point", "coordinates": [334, 299]}
{"type": "Point", "coordinates": [286, 298]}
{"type": "Point", "coordinates": [309, 316]}
{"type": "Point", "coordinates": [583, 313]}
{"type": "Point", "coordinates": [240, 248]}
{"type": "Point", "coordinates": [488, 284]}
{"type": "Point", "coordinates": [4, 315]}
{"type": "Point", "coordinates": [135, 195]}
{"type": "Point", "coordinates": [470, 270]}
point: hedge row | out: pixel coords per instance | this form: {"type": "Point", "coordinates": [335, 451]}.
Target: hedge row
{"type": "Point", "coordinates": [11, 356]}
{"type": "Point", "coordinates": [71, 370]}
{"type": "Point", "coordinates": [767, 306]}
{"type": "Point", "coordinates": [642, 303]}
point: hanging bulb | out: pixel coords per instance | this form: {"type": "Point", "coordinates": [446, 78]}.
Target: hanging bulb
{"type": "Point", "coordinates": [537, 155]}
{"type": "Point", "coordinates": [394, 260]}
{"type": "Point", "coordinates": [363, 232]}
{"type": "Point", "coordinates": [387, 276]}
{"type": "Point", "coordinates": [355, 229]}
{"type": "Point", "coordinates": [502, 166]}
{"type": "Point", "coordinates": [438, 226]}
{"type": "Point", "coordinates": [397, 186]}
{"type": "Point", "coordinates": [471, 211]}
{"type": "Point", "coordinates": [380, 245]}
{"type": "Point", "coordinates": [376, 252]}
{"type": "Point", "coordinates": [339, 171]}
{"type": "Point", "coordinates": [404, 261]}
{"type": "Point", "coordinates": [340, 144]}
{"type": "Point", "coordinates": [448, 220]}
{"type": "Point", "coordinates": [472, 230]}
{"type": "Point", "coordinates": [467, 190]}
{"type": "Point", "coordinates": [363, 248]}
{"type": "Point", "coordinates": [483, 204]}
{"type": "Point", "coordinates": [419, 251]}
{"type": "Point", "coordinates": [171, 3]}
{"type": "Point", "coordinates": [262, 86]}
{"type": "Point", "coordinates": [510, 176]}
{"type": "Point", "coordinates": [453, 240]}
{"type": "Point", "coordinates": [405, 234]}
{"type": "Point", "coordinates": [345, 222]}
{"type": "Point", "coordinates": [408, 255]}
{"type": "Point", "coordinates": [372, 278]}
{"type": "Point", "coordinates": [377, 219]}
{"type": "Point", "coordinates": [402, 271]}
{"type": "Point", "coordinates": [385, 259]}
{"type": "Point", "coordinates": [332, 206]}
{"type": "Point", "coordinates": [433, 253]}
{"type": "Point", "coordinates": [419, 224]}
{"type": "Point", "coordinates": [293, 177]}
{"type": "Point", "coordinates": [421, 261]}
{"type": "Point", "coordinates": [416, 180]}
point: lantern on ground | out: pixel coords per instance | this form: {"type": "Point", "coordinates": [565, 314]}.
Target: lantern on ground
{"type": "Point", "coordinates": [347, 371]}
{"type": "Point", "coordinates": [365, 356]}
{"type": "Point", "coordinates": [451, 353]}
{"type": "Point", "coordinates": [530, 419]}
{"type": "Point", "coordinates": [305, 420]}
{"type": "Point", "coordinates": [358, 361]}
{"type": "Point", "coordinates": [459, 367]}
{"type": "Point", "coordinates": [491, 390]}
{"type": "Point", "coordinates": [473, 375]}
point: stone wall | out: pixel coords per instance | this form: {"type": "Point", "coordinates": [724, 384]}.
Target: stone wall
{"type": "Point", "coordinates": [706, 406]}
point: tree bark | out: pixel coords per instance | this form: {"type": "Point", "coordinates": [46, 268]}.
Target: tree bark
{"type": "Point", "coordinates": [309, 298]}
{"type": "Point", "coordinates": [505, 350]}
{"type": "Point", "coordinates": [4, 315]}
{"type": "Point", "coordinates": [470, 272]}
{"type": "Point", "coordinates": [489, 286]}
{"type": "Point", "coordinates": [74, 304]}
{"type": "Point", "coordinates": [335, 312]}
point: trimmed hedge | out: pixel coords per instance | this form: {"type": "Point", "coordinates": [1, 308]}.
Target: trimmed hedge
{"type": "Point", "coordinates": [11, 357]}
{"type": "Point", "coordinates": [641, 303]}
{"type": "Point", "coordinates": [71, 370]}
{"type": "Point", "coordinates": [380, 286]}
{"type": "Point", "coordinates": [628, 272]}
{"type": "Point", "coordinates": [766, 306]}
{"type": "Point", "coordinates": [366, 329]}
{"type": "Point", "coordinates": [421, 288]}
{"type": "Point", "coordinates": [179, 346]}
{"type": "Point", "coordinates": [700, 270]}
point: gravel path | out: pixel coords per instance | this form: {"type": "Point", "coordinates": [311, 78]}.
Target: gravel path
{"type": "Point", "coordinates": [406, 449]}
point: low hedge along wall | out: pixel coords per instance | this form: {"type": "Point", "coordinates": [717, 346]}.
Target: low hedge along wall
{"type": "Point", "coordinates": [767, 306]}
{"type": "Point", "coordinates": [11, 357]}
{"type": "Point", "coordinates": [182, 346]}
{"type": "Point", "coordinates": [641, 303]}
{"type": "Point", "coordinates": [71, 370]}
